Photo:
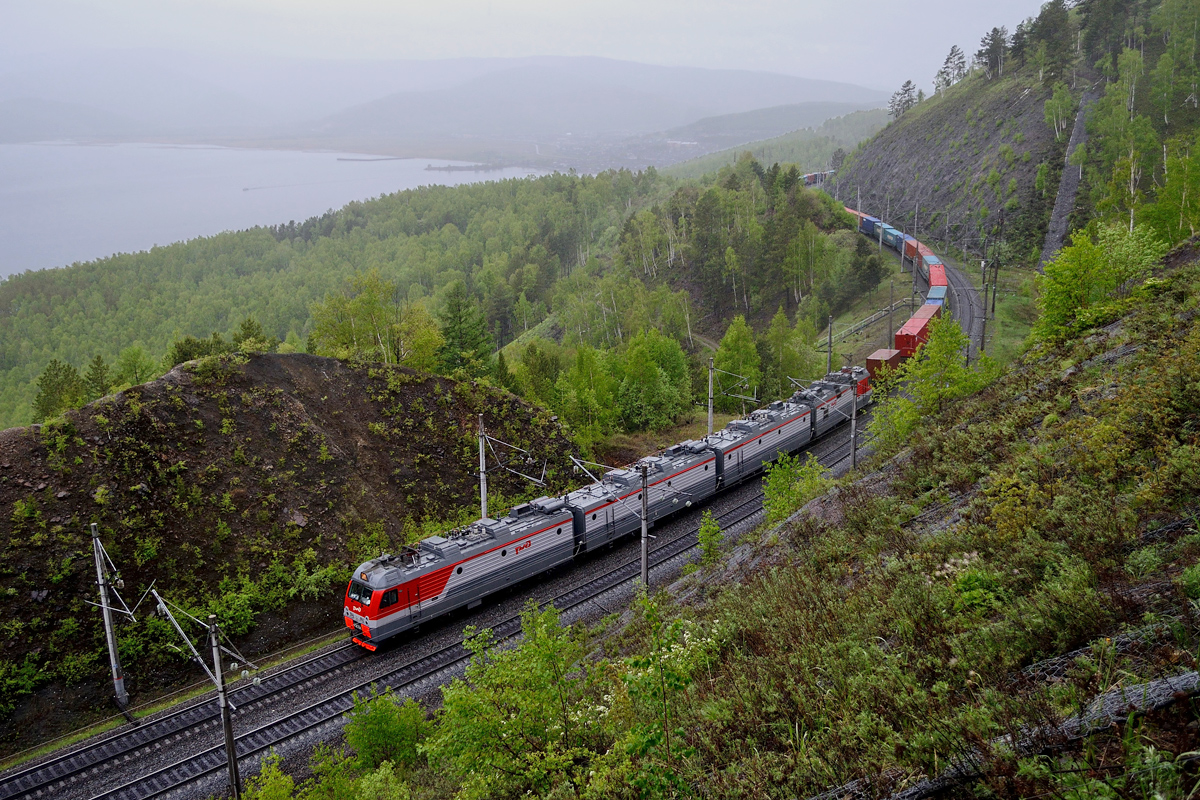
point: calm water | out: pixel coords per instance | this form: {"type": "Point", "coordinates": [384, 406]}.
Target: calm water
{"type": "Point", "coordinates": [61, 203]}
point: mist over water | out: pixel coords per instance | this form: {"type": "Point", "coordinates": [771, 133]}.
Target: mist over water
{"type": "Point", "coordinates": [61, 203]}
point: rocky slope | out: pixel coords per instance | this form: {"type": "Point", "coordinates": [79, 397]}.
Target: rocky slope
{"type": "Point", "coordinates": [955, 166]}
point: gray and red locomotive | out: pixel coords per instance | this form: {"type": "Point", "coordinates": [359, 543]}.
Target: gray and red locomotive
{"type": "Point", "coordinates": [393, 593]}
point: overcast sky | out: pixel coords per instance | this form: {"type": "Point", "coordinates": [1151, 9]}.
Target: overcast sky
{"type": "Point", "coordinates": [877, 43]}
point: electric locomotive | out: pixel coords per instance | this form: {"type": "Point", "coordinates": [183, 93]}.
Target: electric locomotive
{"type": "Point", "coordinates": [393, 593]}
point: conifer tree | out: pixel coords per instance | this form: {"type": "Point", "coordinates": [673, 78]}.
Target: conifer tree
{"type": "Point", "coordinates": [468, 345]}
{"type": "Point", "coordinates": [59, 388]}
{"type": "Point", "coordinates": [98, 379]}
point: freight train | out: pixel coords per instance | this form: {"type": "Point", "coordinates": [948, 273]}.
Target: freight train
{"type": "Point", "coordinates": [915, 332]}
{"type": "Point", "coordinates": [394, 593]}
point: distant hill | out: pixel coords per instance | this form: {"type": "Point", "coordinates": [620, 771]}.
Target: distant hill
{"type": "Point", "coordinates": [554, 112]}
{"type": "Point", "coordinates": [809, 148]}
{"type": "Point", "coordinates": [597, 97]}
{"type": "Point", "coordinates": [765, 123]}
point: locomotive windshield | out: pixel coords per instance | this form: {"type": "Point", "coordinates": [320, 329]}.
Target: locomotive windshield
{"type": "Point", "coordinates": [360, 592]}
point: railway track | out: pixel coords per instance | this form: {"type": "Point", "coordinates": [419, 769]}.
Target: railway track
{"type": "Point", "coordinates": [331, 710]}
{"type": "Point", "coordinates": [61, 774]}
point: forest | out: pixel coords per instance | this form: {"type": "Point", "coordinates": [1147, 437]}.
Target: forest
{"type": "Point", "coordinates": [595, 296]}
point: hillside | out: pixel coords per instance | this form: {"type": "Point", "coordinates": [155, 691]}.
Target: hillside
{"type": "Point", "coordinates": [953, 165]}
{"type": "Point", "coordinates": [809, 148]}
{"type": "Point", "coordinates": [239, 486]}
{"type": "Point", "coordinates": [1004, 605]}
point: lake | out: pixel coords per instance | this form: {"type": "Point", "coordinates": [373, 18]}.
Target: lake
{"type": "Point", "coordinates": [61, 203]}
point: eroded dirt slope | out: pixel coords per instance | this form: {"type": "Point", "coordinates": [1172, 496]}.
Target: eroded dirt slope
{"type": "Point", "coordinates": [238, 486]}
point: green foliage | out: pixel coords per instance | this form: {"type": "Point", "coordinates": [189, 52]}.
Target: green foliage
{"type": "Point", "coordinates": [587, 391]}
{"type": "Point", "coordinates": [1089, 271]}
{"type": "Point", "coordinates": [271, 782]}
{"type": "Point", "coordinates": [134, 366]}
{"type": "Point", "coordinates": [383, 784]}
{"type": "Point", "coordinates": [367, 321]}
{"type": "Point", "coordinates": [789, 353]}
{"type": "Point", "coordinates": [1058, 109]}
{"type": "Point", "coordinates": [383, 730]}
{"type": "Point", "coordinates": [739, 356]}
{"type": "Point", "coordinates": [1189, 581]}
{"type": "Point", "coordinates": [251, 338]}
{"type": "Point", "coordinates": [98, 378]}
{"type": "Point", "coordinates": [59, 388]}
{"type": "Point", "coordinates": [16, 681]}
{"type": "Point", "coordinates": [790, 483]}
{"type": "Point", "coordinates": [467, 344]}
{"type": "Point", "coordinates": [520, 720]}
{"type": "Point", "coordinates": [935, 375]}
{"type": "Point", "coordinates": [656, 387]}
{"type": "Point", "coordinates": [710, 538]}
{"type": "Point", "coordinates": [189, 348]}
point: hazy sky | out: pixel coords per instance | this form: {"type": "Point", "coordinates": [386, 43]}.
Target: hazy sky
{"type": "Point", "coordinates": [871, 42]}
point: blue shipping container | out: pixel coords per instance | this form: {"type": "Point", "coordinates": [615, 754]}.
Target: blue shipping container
{"type": "Point", "coordinates": [891, 237]}
{"type": "Point", "coordinates": [868, 225]}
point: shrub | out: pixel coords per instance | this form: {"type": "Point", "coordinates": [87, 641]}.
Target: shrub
{"type": "Point", "coordinates": [792, 483]}
{"type": "Point", "coordinates": [381, 730]}
{"type": "Point", "coordinates": [710, 538]}
{"type": "Point", "coordinates": [1189, 581]}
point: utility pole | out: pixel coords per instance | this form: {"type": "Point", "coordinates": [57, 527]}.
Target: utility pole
{"type": "Point", "coordinates": [903, 247]}
{"type": "Point", "coordinates": [482, 473]}
{"type": "Point", "coordinates": [122, 697]}
{"type": "Point", "coordinates": [829, 359]}
{"type": "Point", "coordinates": [854, 425]}
{"type": "Point", "coordinates": [645, 533]}
{"type": "Point", "coordinates": [995, 284]}
{"type": "Point", "coordinates": [217, 676]}
{"type": "Point", "coordinates": [235, 779]}
{"type": "Point", "coordinates": [983, 325]}
{"type": "Point", "coordinates": [710, 394]}
{"type": "Point", "coordinates": [891, 303]}
{"type": "Point", "coordinates": [996, 264]}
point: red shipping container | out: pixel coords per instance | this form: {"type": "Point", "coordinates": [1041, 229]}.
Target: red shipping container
{"type": "Point", "coordinates": [927, 312]}
{"type": "Point", "coordinates": [925, 251]}
{"type": "Point", "coordinates": [937, 275]}
{"type": "Point", "coordinates": [915, 332]}
{"type": "Point", "coordinates": [880, 358]}
{"type": "Point", "coordinates": [910, 248]}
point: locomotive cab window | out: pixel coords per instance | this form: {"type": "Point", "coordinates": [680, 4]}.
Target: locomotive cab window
{"type": "Point", "coordinates": [360, 592]}
{"type": "Point", "coordinates": [390, 598]}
